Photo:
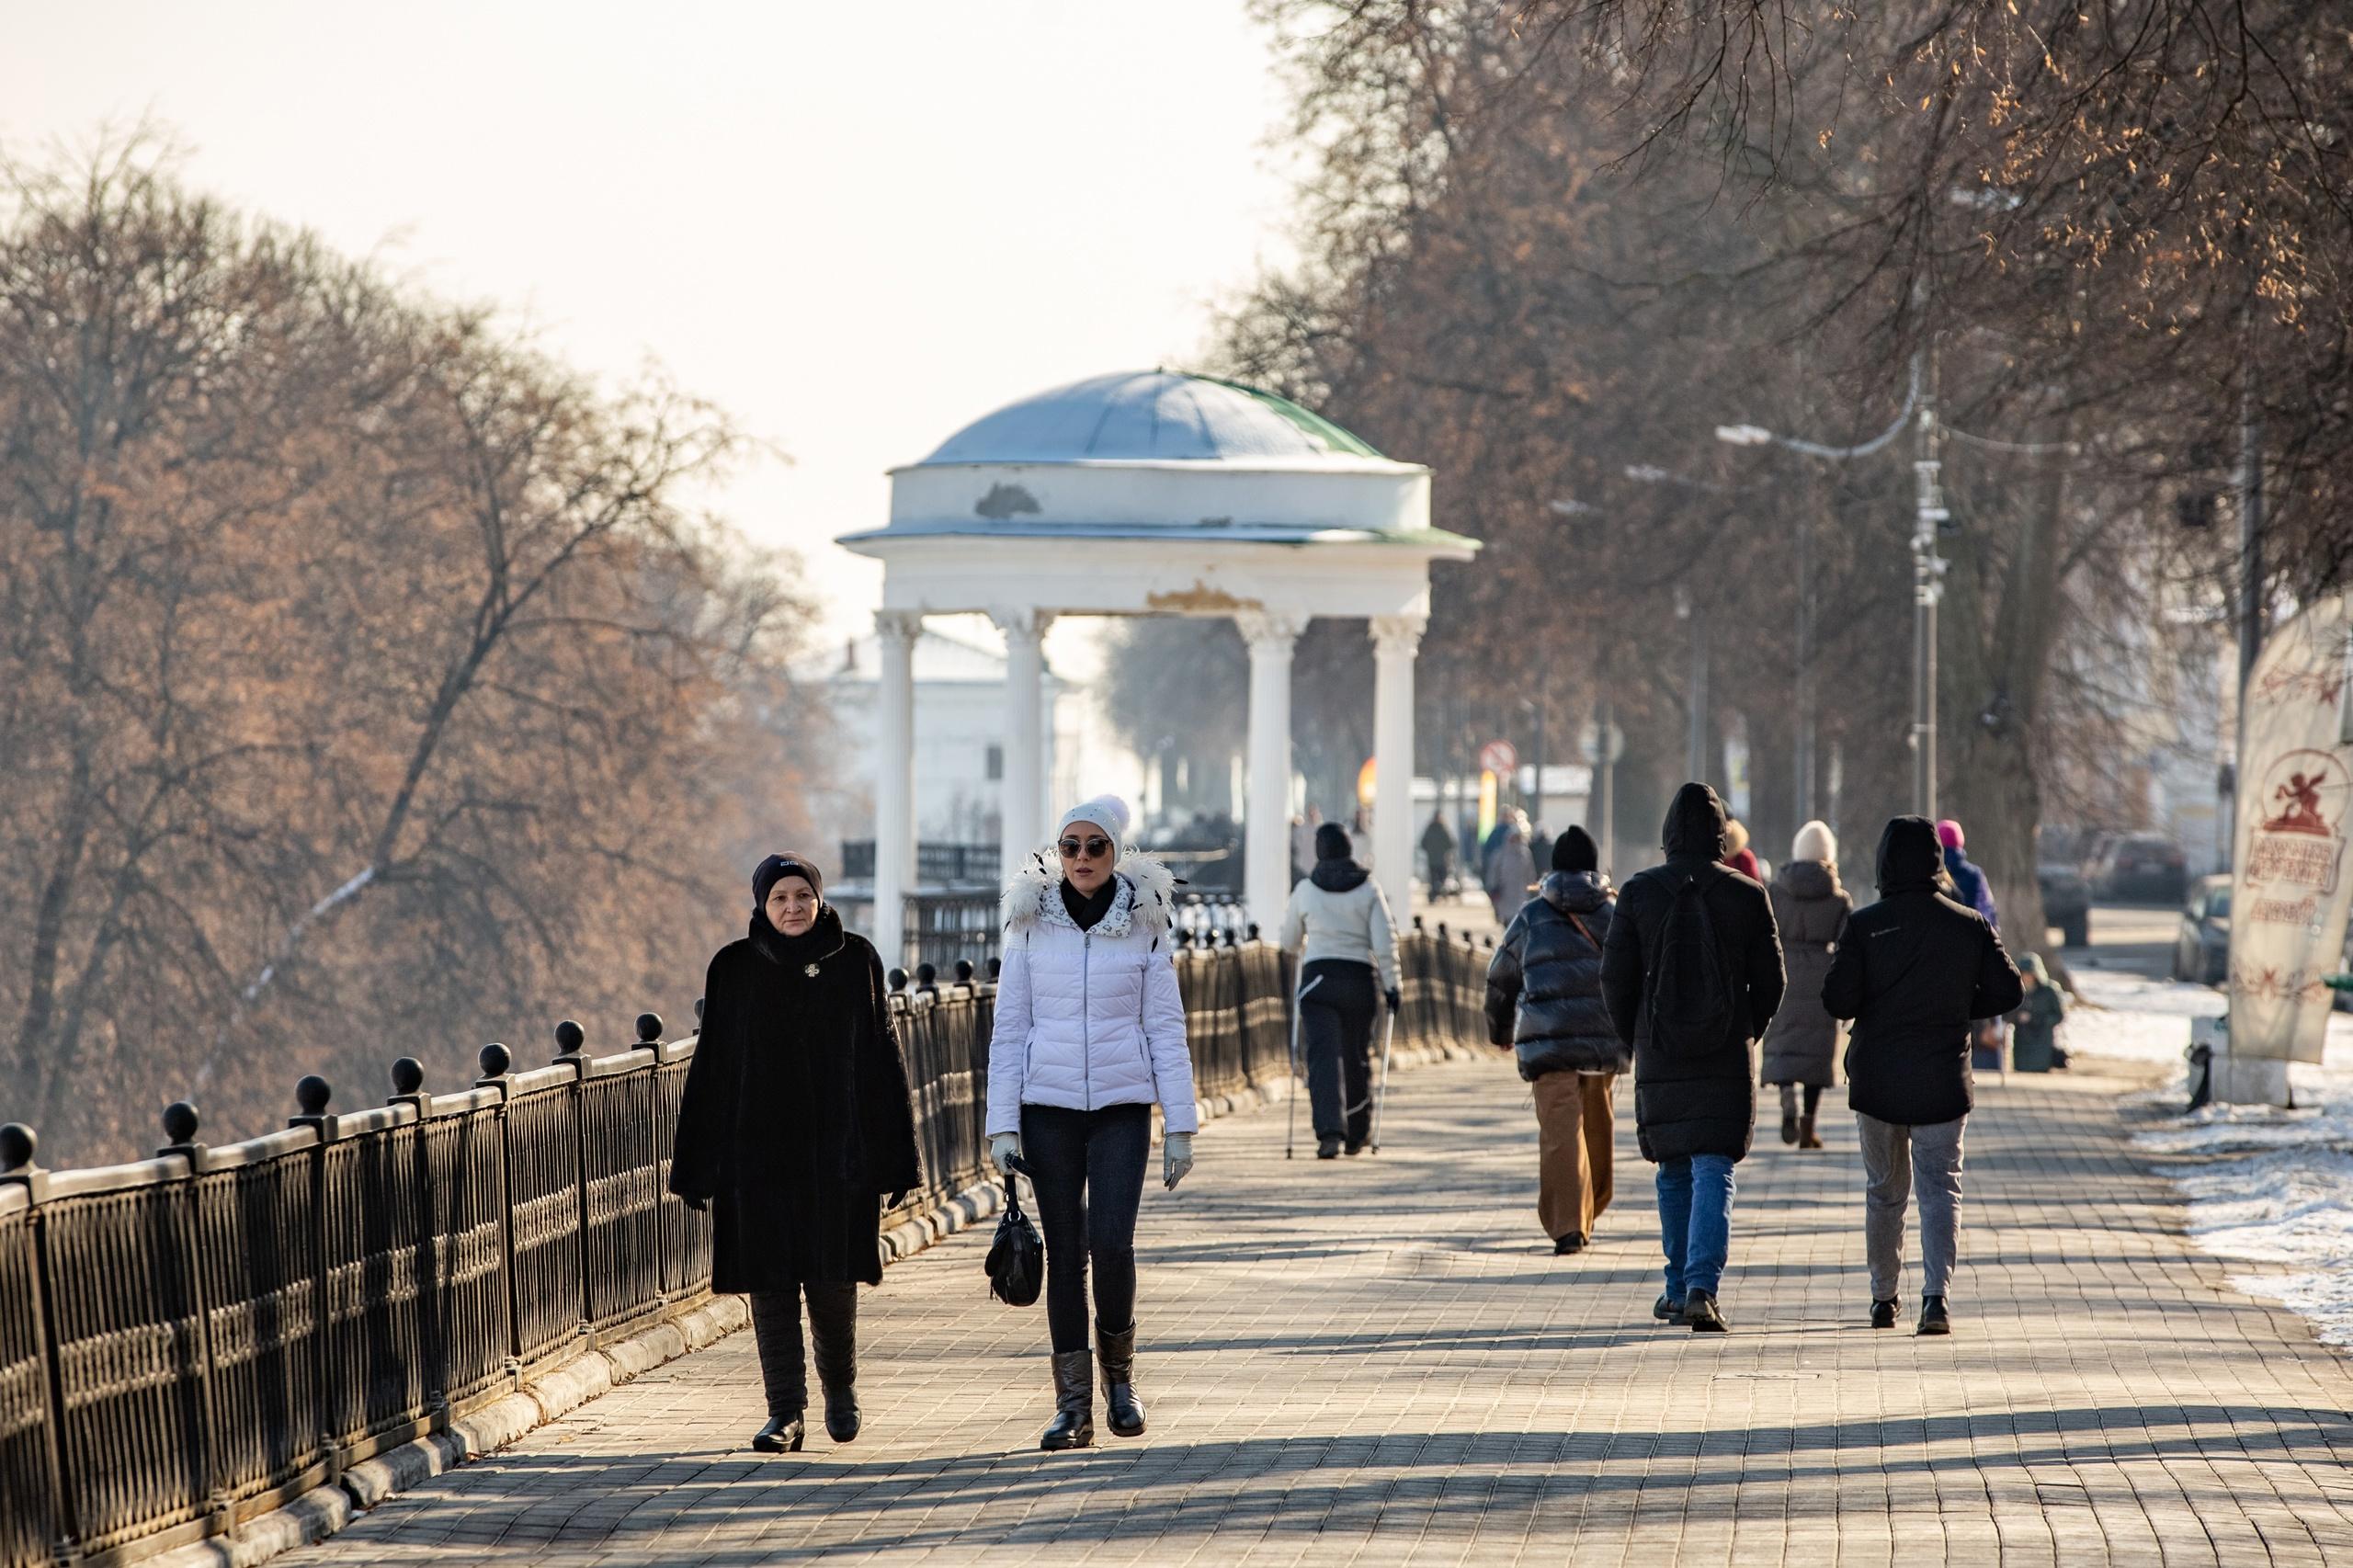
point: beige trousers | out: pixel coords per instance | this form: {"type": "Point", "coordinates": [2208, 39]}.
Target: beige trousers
{"type": "Point", "coordinates": [1573, 1124]}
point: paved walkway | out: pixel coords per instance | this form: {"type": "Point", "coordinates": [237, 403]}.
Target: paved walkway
{"type": "Point", "coordinates": [1378, 1360]}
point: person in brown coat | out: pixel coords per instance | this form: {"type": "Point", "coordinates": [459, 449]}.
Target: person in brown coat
{"type": "Point", "coordinates": [794, 1129]}
{"type": "Point", "coordinates": [1800, 1046]}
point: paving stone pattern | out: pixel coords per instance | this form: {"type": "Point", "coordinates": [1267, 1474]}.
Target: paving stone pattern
{"type": "Point", "coordinates": [1378, 1360]}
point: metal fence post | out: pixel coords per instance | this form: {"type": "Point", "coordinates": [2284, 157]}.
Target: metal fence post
{"type": "Point", "coordinates": [180, 1126]}
{"type": "Point", "coordinates": [18, 1145]}
{"type": "Point", "coordinates": [496, 1064]}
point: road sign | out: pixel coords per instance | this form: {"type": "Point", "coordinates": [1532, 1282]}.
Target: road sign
{"type": "Point", "coordinates": [1588, 743]}
{"type": "Point", "coordinates": [1500, 758]}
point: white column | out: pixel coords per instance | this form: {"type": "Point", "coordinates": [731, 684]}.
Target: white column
{"type": "Point", "coordinates": [1026, 739]}
{"type": "Point", "coordinates": [1396, 641]}
{"type": "Point", "coordinates": [1266, 857]}
{"type": "Point", "coordinates": [896, 632]}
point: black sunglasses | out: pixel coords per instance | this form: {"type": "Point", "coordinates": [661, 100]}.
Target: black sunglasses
{"type": "Point", "coordinates": [1094, 847]}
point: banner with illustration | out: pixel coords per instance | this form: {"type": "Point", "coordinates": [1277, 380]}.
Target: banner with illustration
{"type": "Point", "coordinates": [2288, 903]}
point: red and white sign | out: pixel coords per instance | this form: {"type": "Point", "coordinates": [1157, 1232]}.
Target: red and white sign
{"type": "Point", "coordinates": [1500, 758]}
{"type": "Point", "coordinates": [2288, 906]}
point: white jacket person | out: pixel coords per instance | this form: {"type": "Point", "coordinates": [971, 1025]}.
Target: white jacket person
{"type": "Point", "coordinates": [1086, 1020]}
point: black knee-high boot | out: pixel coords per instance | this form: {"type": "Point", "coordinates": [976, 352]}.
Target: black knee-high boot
{"type": "Point", "coordinates": [833, 1334]}
{"type": "Point", "coordinates": [784, 1372]}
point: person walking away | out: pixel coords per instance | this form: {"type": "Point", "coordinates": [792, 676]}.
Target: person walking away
{"type": "Point", "coordinates": [1691, 972]}
{"type": "Point", "coordinates": [1737, 854]}
{"type": "Point", "coordinates": [1972, 888]}
{"type": "Point", "coordinates": [1800, 1046]}
{"type": "Point", "coordinates": [1911, 972]}
{"type": "Point", "coordinates": [1437, 854]}
{"type": "Point", "coordinates": [2034, 1040]}
{"type": "Point", "coordinates": [1339, 924]}
{"type": "Point", "coordinates": [1513, 874]}
{"type": "Point", "coordinates": [1089, 1034]}
{"type": "Point", "coordinates": [1544, 1001]}
{"type": "Point", "coordinates": [794, 1131]}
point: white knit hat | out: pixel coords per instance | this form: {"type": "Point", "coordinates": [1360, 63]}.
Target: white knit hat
{"type": "Point", "coordinates": [1107, 812]}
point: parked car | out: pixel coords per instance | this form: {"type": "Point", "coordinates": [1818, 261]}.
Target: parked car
{"type": "Point", "coordinates": [2142, 866]}
{"type": "Point", "coordinates": [2203, 952]}
{"type": "Point", "coordinates": [2066, 902]}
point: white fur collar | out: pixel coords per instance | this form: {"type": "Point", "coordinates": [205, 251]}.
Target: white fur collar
{"type": "Point", "coordinates": [1147, 901]}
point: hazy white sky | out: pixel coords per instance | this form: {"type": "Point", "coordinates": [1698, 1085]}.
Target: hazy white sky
{"type": "Point", "coordinates": [855, 226]}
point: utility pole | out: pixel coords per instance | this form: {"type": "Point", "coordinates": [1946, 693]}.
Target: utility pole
{"type": "Point", "coordinates": [2250, 535]}
{"type": "Point", "coordinates": [1605, 782]}
{"type": "Point", "coordinates": [1695, 752]}
{"type": "Point", "coordinates": [1927, 581]}
{"type": "Point", "coordinates": [1804, 747]}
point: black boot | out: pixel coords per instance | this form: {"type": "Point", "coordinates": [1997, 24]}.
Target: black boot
{"type": "Point", "coordinates": [1934, 1319]}
{"type": "Point", "coordinates": [783, 1435]}
{"type": "Point", "coordinates": [1668, 1310]}
{"type": "Point", "coordinates": [832, 1331]}
{"type": "Point", "coordinates": [1883, 1313]}
{"type": "Point", "coordinates": [1327, 1148]}
{"type": "Point", "coordinates": [1789, 1127]}
{"type": "Point", "coordinates": [1700, 1311]}
{"type": "Point", "coordinates": [1118, 1354]}
{"type": "Point", "coordinates": [1563, 1246]}
{"type": "Point", "coordinates": [1073, 1422]}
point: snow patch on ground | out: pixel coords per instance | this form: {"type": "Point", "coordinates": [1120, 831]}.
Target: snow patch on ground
{"type": "Point", "coordinates": [2265, 1186]}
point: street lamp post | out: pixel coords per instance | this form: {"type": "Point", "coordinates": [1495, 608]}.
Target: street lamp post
{"type": "Point", "coordinates": [1927, 588]}
{"type": "Point", "coordinates": [1695, 745]}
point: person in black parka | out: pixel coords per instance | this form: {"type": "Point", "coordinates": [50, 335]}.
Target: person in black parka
{"type": "Point", "coordinates": [1912, 970]}
{"type": "Point", "coordinates": [1695, 1100]}
{"type": "Point", "coordinates": [1544, 1001]}
{"type": "Point", "coordinates": [794, 1127]}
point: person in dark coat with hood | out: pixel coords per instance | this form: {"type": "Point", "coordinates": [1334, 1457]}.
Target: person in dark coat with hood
{"type": "Point", "coordinates": [1544, 1001]}
{"type": "Point", "coordinates": [1912, 970]}
{"type": "Point", "coordinates": [1801, 1049]}
{"type": "Point", "coordinates": [794, 1129]}
{"type": "Point", "coordinates": [1695, 1095]}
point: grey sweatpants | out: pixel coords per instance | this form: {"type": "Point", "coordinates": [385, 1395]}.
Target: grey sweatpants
{"type": "Point", "coordinates": [1895, 1160]}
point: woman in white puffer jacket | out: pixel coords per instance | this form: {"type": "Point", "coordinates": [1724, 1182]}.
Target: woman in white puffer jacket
{"type": "Point", "coordinates": [1089, 1035]}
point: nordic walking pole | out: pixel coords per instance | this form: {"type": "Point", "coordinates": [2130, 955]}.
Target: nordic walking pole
{"type": "Point", "coordinates": [1380, 1096]}
{"type": "Point", "coordinates": [1299, 1079]}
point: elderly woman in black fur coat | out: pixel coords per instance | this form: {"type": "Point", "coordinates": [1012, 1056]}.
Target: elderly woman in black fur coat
{"type": "Point", "coordinates": [794, 1128]}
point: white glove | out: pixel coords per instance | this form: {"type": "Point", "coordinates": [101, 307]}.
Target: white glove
{"type": "Point", "coordinates": [1177, 1158]}
{"type": "Point", "coordinates": [1004, 1148]}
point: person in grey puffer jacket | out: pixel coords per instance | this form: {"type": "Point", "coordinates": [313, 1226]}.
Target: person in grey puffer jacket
{"type": "Point", "coordinates": [1338, 922]}
{"type": "Point", "coordinates": [1544, 1001]}
{"type": "Point", "coordinates": [1801, 1045]}
{"type": "Point", "coordinates": [1089, 1032]}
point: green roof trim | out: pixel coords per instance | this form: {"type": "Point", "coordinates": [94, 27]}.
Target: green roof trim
{"type": "Point", "coordinates": [1307, 419]}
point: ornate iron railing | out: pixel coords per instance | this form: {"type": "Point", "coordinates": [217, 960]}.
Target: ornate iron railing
{"type": "Point", "coordinates": [190, 1341]}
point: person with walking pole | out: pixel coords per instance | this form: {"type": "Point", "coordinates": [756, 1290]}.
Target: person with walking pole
{"type": "Point", "coordinates": [1911, 972]}
{"type": "Point", "coordinates": [794, 1131]}
{"type": "Point", "coordinates": [1338, 922]}
{"type": "Point", "coordinates": [1691, 971]}
{"type": "Point", "coordinates": [1544, 1002]}
{"type": "Point", "coordinates": [1089, 1034]}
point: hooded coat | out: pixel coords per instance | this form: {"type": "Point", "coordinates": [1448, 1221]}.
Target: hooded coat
{"type": "Point", "coordinates": [1089, 1019]}
{"type": "Point", "coordinates": [1809, 909]}
{"type": "Point", "coordinates": [1693, 1096]}
{"type": "Point", "coordinates": [1971, 885]}
{"type": "Point", "coordinates": [1544, 982]}
{"type": "Point", "coordinates": [795, 1121]}
{"type": "Point", "coordinates": [1912, 970]}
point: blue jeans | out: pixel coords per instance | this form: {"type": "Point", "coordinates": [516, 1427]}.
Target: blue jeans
{"type": "Point", "coordinates": [1695, 1220]}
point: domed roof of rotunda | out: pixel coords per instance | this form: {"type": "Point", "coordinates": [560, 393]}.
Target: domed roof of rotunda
{"type": "Point", "coordinates": [1154, 416]}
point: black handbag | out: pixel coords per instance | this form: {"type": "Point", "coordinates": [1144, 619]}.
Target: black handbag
{"type": "Point", "coordinates": [1016, 1262]}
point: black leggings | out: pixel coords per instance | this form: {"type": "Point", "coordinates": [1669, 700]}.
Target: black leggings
{"type": "Point", "coordinates": [1336, 1029]}
{"type": "Point", "coordinates": [1087, 1167]}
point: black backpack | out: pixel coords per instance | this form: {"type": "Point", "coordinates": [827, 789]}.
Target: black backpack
{"type": "Point", "coordinates": [1690, 1002]}
{"type": "Point", "coordinates": [1017, 1261]}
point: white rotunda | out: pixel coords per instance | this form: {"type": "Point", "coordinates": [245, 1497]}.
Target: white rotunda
{"type": "Point", "coordinates": [1152, 492]}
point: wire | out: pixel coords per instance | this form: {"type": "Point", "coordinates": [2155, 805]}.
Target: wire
{"type": "Point", "coordinates": [1817, 449]}
{"type": "Point", "coordinates": [2070, 448]}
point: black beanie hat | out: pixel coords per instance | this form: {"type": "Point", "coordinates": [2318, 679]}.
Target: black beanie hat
{"type": "Point", "coordinates": [775, 869]}
{"type": "Point", "coordinates": [1332, 842]}
{"type": "Point", "coordinates": [1575, 851]}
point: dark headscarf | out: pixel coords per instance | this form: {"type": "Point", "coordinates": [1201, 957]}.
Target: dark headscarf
{"type": "Point", "coordinates": [776, 868]}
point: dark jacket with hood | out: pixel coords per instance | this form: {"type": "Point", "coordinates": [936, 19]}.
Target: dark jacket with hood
{"type": "Point", "coordinates": [1809, 910]}
{"type": "Point", "coordinates": [1693, 1096]}
{"type": "Point", "coordinates": [1544, 983]}
{"type": "Point", "coordinates": [1971, 886]}
{"type": "Point", "coordinates": [795, 1122]}
{"type": "Point", "coordinates": [1912, 970]}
